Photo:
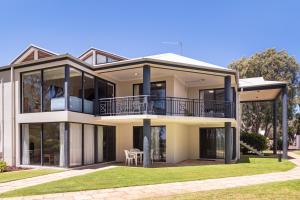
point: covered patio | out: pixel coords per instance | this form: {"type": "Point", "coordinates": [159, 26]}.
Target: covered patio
{"type": "Point", "coordinates": [181, 100]}
{"type": "Point", "coordinates": [260, 90]}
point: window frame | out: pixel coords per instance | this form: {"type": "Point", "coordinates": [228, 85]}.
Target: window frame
{"type": "Point", "coordinates": [66, 87]}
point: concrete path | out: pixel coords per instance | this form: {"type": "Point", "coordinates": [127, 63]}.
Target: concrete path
{"type": "Point", "coordinates": [158, 190]}
{"type": "Point", "coordinates": [12, 185]}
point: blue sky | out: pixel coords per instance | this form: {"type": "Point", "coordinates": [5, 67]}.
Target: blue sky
{"type": "Point", "coordinates": [213, 31]}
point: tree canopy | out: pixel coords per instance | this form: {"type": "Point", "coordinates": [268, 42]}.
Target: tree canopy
{"type": "Point", "coordinates": [271, 65]}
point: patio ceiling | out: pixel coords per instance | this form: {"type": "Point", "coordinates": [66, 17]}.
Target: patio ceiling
{"type": "Point", "coordinates": [189, 78]}
{"type": "Point", "coordinates": [258, 89]}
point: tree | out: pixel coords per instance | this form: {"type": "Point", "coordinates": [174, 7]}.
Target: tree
{"type": "Point", "coordinates": [271, 65]}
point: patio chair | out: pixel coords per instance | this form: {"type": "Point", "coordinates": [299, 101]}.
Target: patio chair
{"type": "Point", "coordinates": [129, 157]}
{"type": "Point", "coordinates": [152, 155]}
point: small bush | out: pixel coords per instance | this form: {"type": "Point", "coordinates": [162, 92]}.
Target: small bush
{"type": "Point", "coordinates": [279, 144]}
{"type": "Point", "coordinates": [257, 141]}
{"type": "Point", "coordinates": [3, 166]}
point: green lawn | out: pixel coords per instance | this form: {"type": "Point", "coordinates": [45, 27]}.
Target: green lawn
{"type": "Point", "coordinates": [17, 175]}
{"type": "Point", "coordinates": [130, 176]}
{"type": "Point", "coordinates": [271, 191]}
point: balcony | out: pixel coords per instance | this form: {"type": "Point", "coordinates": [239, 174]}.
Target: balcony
{"type": "Point", "coordinates": [172, 106]}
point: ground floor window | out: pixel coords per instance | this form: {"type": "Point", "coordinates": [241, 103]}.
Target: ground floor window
{"type": "Point", "coordinates": [212, 143]}
{"type": "Point", "coordinates": [42, 144]}
{"type": "Point", "coordinates": [67, 144]}
{"type": "Point", "coordinates": [158, 141]}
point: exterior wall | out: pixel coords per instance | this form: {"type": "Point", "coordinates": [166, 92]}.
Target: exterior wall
{"type": "Point", "coordinates": [6, 116]}
{"type": "Point", "coordinates": [182, 141]}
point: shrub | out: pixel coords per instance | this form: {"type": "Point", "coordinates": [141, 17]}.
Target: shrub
{"type": "Point", "coordinates": [3, 166]}
{"type": "Point", "coordinates": [279, 144]}
{"type": "Point", "coordinates": [257, 141]}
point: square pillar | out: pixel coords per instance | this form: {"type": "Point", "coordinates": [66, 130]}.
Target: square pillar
{"type": "Point", "coordinates": [147, 142]}
{"type": "Point", "coordinates": [228, 143]}
{"type": "Point", "coordinates": [146, 122]}
{"type": "Point", "coordinates": [228, 113]}
{"type": "Point", "coordinates": [284, 122]}
{"type": "Point", "coordinates": [275, 141]}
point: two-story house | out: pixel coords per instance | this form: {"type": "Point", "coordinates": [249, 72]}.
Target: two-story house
{"type": "Point", "coordinates": [59, 110]}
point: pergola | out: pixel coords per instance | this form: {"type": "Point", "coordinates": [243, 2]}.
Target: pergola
{"type": "Point", "coordinates": [260, 90]}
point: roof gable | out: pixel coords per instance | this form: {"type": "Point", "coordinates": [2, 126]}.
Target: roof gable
{"type": "Point", "coordinates": [32, 53]}
{"type": "Point", "coordinates": [91, 56]}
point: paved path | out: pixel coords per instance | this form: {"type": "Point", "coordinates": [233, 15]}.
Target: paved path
{"type": "Point", "coordinates": [158, 190]}
{"type": "Point", "coordinates": [12, 185]}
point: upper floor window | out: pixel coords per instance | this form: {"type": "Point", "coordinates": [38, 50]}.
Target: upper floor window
{"type": "Point", "coordinates": [75, 90]}
{"type": "Point", "coordinates": [53, 89]}
{"type": "Point", "coordinates": [100, 59]}
{"type": "Point", "coordinates": [44, 90]}
{"type": "Point", "coordinates": [31, 92]}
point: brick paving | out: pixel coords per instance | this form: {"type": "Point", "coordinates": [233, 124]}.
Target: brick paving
{"type": "Point", "coordinates": [158, 190]}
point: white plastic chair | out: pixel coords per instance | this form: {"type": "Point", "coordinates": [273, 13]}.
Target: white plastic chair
{"type": "Point", "coordinates": [129, 158]}
{"type": "Point", "coordinates": [151, 155]}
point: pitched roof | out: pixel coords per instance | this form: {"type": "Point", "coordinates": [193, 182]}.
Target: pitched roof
{"type": "Point", "coordinates": [101, 52]}
{"type": "Point", "coordinates": [30, 48]}
{"type": "Point", "coordinates": [167, 59]}
{"type": "Point", "coordinates": [258, 81]}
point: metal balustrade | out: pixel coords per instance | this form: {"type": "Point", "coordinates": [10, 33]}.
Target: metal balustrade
{"type": "Point", "coordinates": [173, 106]}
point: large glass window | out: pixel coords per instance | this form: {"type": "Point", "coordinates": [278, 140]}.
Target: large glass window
{"type": "Point", "coordinates": [53, 89]}
{"type": "Point", "coordinates": [75, 144]}
{"type": "Point", "coordinates": [212, 143]}
{"type": "Point", "coordinates": [52, 134]}
{"type": "Point", "coordinates": [89, 93]}
{"type": "Point", "coordinates": [158, 94]}
{"type": "Point", "coordinates": [158, 141]}
{"type": "Point", "coordinates": [31, 92]}
{"type": "Point", "coordinates": [75, 90]}
{"type": "Point", "coordinates": [89, 144]}
{"type": "Point", "coordinates": [31, 144]}
{"type": "Point", "coordinates": [43, 144]}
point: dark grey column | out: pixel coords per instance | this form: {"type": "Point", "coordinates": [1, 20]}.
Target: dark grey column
{"type": "Point", "coordinates": [284, 123]}
{"type": "Point", "coordinates": [228, 143]}
{"type": "Point", "coordinates": [275, 126]}
{"type": "Point", "coordinates": [147, 142]}
{"type": "Point", "coordinates": [228, 113]}
{"type": "Point", "coordinates": [146, 122]}
{"type": "Point", "coordinates": [67, 145]}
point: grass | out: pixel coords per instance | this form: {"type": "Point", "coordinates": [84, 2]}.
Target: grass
{"type": "Point", "coordinates": [22, 174]}
{"type": "Point", "coordinates": [131, 176]}
{"type": "Point", "coordinates": [271, 191]}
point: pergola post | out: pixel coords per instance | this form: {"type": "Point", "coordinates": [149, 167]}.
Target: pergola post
{"type": "Point", "coordinates": [275, 142]}
{"type": "Point", "coordinates": [146, 122]}
{"type": "Point", "coordinates": [228, 134]}
{"type": "Point", "coordinates": [284, 123]}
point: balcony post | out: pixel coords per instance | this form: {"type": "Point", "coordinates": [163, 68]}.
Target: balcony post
{"type": "Point", "coordinates": [228, 133]}
{"type": "Point", "coordinates": [146, 122]}
{"type": "Point", "coordinates": [284, 122]}
{"type": "Point", "coordinates": [275, 126]}
{"type": "Point", "coordinates": [146, 86]}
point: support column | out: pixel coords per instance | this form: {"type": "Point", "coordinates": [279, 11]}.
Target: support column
{"type": "Point", "coordinates": [147, 143]}
{"type": "Point", "coordinates": [146, 122]}
{"type": "Point", "coordinates": [66, 145]}
{"type": "Point", "coordinates": [228, 133]}
{"type": "Point", "coordinates": [275, 142]}
{"type": "Point", "coordinates": [228, 143]}
{"type": "Point", "coordinates": [284, 123]}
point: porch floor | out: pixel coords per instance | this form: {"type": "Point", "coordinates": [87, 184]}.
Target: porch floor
{"type": "Point", "coordinates": [180, 164]}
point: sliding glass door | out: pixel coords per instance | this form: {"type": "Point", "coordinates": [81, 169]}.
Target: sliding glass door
{"type": "Point", "coordinates": [158, 95]}
{"type": "Point", "coordinates": [158, 141]}
{"type": "Point", "coordinates": [43, 144]}
{"type": "Point", "coordinates": [212, 143]}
